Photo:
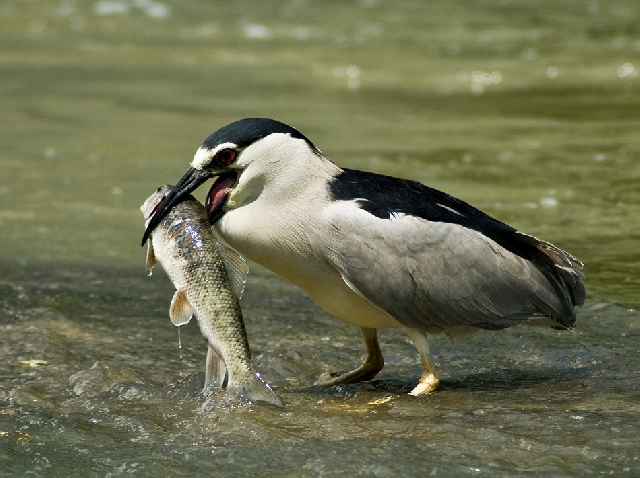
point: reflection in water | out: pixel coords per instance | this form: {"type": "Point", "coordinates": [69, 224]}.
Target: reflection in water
{"type": "Point", "coordinates": [528, 113]}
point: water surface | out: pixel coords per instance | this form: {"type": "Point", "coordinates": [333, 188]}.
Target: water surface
{"type": "Point", "coordinates": [526, 110]}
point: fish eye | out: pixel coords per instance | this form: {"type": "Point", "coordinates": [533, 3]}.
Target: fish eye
{"type": "Point", "coordinates": [226, 156]}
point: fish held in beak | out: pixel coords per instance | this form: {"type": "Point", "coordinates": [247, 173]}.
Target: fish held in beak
{"type": "Point", "coordinates": [189, 182]}
{"type": "Point", "coordinates": [218, 195]}
{"type": "Point", "coordinates": [149, 208]}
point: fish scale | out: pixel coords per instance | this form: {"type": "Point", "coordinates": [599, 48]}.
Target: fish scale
{"type": "Point", "coordinates": [186, 247]}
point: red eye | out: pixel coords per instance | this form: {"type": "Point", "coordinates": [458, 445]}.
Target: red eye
{"type": "Point", "coordinates": [226, 156]}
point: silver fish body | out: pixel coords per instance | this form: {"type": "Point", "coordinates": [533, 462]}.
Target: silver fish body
{"type": "Point", "coordinates": [185, 246]}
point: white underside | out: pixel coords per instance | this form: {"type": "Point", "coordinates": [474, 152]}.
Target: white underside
{"type": "Point", "coordinates": [314, 275]}
{"type": "Point", "coordinates": [277, 222]}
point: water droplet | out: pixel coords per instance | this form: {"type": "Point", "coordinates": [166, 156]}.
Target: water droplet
{"type": "Point", "coordinates": [548, 202]}
{"type": "Point", "coordinates": [627, 71]}
{"type": "Point", "coordinates": [259, 32]}
{"type": "Point", "coordinates": [111, 8]}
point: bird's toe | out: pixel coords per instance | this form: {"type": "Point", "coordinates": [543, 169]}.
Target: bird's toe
{"type": "Point", "coordinates": [363, 373]}
{"type": "Point", "coordinates": [426, 385]}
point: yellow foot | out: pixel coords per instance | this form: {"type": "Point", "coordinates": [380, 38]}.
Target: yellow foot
{"type": "Point", "coordinates": [372, 364]}
{"type": "Point", "coordinates": [426, 385]}
{"type": "Point", "coordinates": [429, 380]}
{"type": "Point", "coordinates": [361, 374]}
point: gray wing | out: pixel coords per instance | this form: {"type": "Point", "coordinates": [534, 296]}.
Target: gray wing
{"type": "Point", "coordinates": [435, 276]}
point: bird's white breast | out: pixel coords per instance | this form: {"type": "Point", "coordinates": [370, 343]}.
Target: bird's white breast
{"type": "Point", "coordinates": [284, 229]}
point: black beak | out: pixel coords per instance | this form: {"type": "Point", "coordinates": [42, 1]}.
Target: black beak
{"type": "Point", "coordinates": [190, 181]}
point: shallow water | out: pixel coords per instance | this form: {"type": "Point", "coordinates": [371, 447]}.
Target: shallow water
{"type": "Point", "coordinates": [527, 110]}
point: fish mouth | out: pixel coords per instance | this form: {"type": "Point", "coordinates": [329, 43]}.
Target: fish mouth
{"type": "Point", "coordinates": [160, 201]}
{"type": "Point", "coordinates": [190, 181]}
{"type": "Point", "coordinates": [217, 196]}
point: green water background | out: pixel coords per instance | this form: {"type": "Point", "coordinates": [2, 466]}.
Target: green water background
{"type": "Point", "coordinates": [527, 110]}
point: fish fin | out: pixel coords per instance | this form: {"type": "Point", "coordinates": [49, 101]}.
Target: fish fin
{"type": "Point", "coordinates": [180, 311]}
{"type": "Point", "coordinates": [237, 268]}
{"type": "Point", "coordinates": [254, 390]}
{"type": "Point", "coordinates": [151, 257]}
{"type": "Point", "coordinates": [215, 370]}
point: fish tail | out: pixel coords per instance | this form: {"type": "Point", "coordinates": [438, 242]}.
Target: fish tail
{"type": "Point", "coordinates": [254, 390]}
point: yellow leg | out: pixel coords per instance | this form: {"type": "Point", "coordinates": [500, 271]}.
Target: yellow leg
{"type": "Point", "coordinates": [373, 363]}
{"type": "Point", "coordinates": [429, 380]}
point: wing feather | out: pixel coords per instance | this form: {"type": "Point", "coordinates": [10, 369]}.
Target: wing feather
{"type": "Point", "coordinates": [435, 276]}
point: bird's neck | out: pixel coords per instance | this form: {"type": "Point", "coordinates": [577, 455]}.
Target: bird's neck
{"type": "Point", "coordinates": [286, 174]}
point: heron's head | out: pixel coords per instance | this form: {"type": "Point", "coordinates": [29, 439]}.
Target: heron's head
{"type": "Point", "coordinates": [242, 157]}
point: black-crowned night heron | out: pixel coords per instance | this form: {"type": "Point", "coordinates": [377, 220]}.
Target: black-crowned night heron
{"type": "Point", "coordinates": [373, 250]}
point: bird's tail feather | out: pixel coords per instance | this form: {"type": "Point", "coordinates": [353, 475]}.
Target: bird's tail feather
{"type": "Point", "coordinates": [564, 272]}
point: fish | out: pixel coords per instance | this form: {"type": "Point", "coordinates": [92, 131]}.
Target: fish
{"type": "Point", "coordinates": [209, 278]}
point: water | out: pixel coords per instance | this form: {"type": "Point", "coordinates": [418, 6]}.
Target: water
{"type": "Point", "coordinates": [527, 110]}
